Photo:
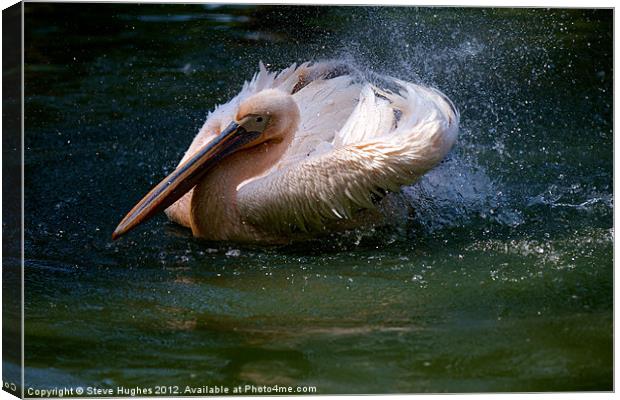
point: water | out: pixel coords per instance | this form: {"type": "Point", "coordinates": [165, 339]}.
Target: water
{"type": "Point", "coordinates": [500, 280]}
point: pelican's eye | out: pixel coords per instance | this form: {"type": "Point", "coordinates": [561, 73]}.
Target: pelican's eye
{"type": "Point", "coordinates": [254, 122]}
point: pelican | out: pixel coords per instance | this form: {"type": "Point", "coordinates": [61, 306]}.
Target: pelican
{"type": "Point", "coordinates": [302, 152]}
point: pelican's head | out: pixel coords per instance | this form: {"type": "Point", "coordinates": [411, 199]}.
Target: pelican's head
{"type": "Point", "coordinates": [271, 112]}
{"type": "Point", "coordinates": [268, 116]}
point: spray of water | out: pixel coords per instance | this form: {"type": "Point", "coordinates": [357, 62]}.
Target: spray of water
{"type": "Point", "coordinates": [494, 69]}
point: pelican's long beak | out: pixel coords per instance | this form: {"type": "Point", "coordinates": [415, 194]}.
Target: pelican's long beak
{"type": "Point", "coordinates": [185, 177]}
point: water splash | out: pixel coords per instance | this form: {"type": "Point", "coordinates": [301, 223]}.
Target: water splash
{"type": "Point", "coordinates": [505, 76]}
{"type": "Point", "coordinates": [456, 192]}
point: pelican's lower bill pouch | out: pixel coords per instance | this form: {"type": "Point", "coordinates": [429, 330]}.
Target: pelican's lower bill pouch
{"type": "Point", "coordinates": [228, 199]}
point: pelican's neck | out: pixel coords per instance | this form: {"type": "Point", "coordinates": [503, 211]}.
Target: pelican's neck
{"type": "Point", "coordinates": [213, 212]}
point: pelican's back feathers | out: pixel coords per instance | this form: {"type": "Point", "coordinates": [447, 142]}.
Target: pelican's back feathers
{"type": "Point", "coordinates": [384, 141]}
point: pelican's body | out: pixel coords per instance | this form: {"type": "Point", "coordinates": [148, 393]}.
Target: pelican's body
{"type": "Point", "coordinates": [323, 141]}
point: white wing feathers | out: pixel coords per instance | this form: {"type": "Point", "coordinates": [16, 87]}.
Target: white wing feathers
{"type": "Point", "coordinates": [325, 106]}
{"type": "Point", "coordinates": [388, 141]}
{"type": "Point", "coordinates": [372, 117]}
